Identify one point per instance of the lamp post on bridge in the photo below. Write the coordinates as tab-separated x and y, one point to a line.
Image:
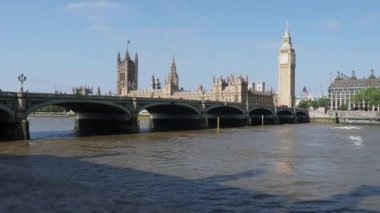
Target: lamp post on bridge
22	78
275	103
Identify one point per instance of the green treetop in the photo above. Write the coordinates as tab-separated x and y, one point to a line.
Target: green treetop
370	95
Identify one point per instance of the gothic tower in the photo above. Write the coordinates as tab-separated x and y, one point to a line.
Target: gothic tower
173	82
286	72
127	74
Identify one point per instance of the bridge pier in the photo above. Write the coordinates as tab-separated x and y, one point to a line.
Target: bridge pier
276	121
15	126
204	121
18	130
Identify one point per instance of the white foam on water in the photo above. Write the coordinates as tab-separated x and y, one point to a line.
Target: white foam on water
346	127
356	140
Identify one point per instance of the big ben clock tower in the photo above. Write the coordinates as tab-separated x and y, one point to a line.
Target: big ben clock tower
286	72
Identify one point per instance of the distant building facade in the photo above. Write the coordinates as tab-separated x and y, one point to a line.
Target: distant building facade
84	90
127	74
304	96
229	89
344	88
286	72
260	86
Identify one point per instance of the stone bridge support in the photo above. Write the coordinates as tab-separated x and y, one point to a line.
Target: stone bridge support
15	130
17	127
203	117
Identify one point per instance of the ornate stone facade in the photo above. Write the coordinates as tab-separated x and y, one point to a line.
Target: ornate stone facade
127	74
230	89
286	72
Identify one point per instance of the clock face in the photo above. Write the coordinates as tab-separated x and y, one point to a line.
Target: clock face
284	58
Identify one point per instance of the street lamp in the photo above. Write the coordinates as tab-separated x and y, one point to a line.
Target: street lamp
22	78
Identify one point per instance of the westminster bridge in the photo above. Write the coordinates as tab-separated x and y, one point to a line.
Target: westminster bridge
116	114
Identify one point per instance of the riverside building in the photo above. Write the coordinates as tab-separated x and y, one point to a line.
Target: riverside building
233	88
344	87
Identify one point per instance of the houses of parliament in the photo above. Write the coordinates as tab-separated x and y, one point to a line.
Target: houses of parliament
233	88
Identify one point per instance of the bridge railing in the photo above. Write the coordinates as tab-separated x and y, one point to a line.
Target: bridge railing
6	94
74	96
168	100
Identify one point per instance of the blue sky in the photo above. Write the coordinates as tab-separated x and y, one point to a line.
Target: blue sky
62	43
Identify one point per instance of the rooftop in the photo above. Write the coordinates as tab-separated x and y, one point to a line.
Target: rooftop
352	81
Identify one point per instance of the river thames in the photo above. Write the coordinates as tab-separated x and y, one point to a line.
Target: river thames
299	167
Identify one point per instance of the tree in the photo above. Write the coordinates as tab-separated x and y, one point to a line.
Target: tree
324	102
303	104
314	104
343	107
370	95
321	102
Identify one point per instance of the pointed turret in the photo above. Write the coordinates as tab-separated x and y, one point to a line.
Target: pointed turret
127	54
286	39
136	58
173	77
372	76
173	72
153	83
118	57
158	84
353	75
173	67
286	34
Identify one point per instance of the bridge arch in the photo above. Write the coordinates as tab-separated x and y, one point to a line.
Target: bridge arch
94	117
261	115
166	116
83	106
230	108
229	116
302	117
179	108
285	116
6	113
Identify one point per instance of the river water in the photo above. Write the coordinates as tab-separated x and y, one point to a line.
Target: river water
283	168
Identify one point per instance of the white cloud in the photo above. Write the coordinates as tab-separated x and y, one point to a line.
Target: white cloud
331	24
100	5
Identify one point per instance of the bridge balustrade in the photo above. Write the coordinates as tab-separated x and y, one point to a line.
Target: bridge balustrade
5	94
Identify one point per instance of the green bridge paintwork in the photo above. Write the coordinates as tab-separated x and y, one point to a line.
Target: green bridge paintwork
110	114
